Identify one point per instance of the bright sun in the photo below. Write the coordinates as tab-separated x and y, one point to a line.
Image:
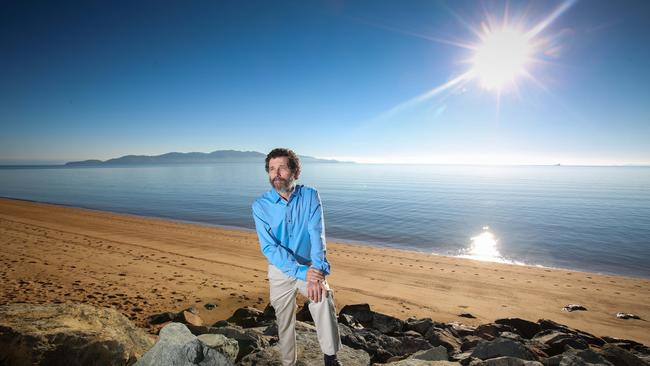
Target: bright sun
500	58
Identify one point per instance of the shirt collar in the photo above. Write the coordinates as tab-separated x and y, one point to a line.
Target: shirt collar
275	196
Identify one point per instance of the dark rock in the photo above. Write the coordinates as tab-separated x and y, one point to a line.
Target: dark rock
466	315
269	312
627	316
359	312
177	346
349	320
469	342
627	344
247	317
501	347
557	341
432	354
304	315
620	357
546	324
68	334
505	361
192	310
419	325
160	318
444	337
573	357
491	331
362	314
524	328
387	324
210	306
221	323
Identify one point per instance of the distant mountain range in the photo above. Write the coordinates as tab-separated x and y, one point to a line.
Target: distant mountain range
190	158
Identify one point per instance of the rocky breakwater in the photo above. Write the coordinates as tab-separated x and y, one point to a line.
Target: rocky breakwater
249	337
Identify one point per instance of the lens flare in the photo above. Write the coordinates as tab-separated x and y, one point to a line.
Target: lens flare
500	58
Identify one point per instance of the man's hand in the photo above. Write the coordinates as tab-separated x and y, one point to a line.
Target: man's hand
315	279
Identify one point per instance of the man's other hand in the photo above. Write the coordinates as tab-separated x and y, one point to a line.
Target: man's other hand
315	279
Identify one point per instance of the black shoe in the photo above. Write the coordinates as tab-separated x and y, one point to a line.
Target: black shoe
331	361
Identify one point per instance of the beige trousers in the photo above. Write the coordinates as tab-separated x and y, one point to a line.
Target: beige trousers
283	299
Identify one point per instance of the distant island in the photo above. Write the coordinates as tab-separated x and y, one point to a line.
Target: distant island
190	158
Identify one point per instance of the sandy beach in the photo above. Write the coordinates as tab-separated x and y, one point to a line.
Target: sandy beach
143	266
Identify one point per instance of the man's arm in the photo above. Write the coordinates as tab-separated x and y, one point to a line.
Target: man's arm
316	228
276	254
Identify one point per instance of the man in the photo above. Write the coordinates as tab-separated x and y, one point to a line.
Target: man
289	223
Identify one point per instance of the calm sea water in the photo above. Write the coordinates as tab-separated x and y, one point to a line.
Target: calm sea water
584	218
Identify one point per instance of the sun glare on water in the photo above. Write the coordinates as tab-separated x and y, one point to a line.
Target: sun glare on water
501	57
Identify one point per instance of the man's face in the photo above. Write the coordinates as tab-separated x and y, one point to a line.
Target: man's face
280	176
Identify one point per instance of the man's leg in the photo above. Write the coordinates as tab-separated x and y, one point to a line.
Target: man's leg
283	300
324	315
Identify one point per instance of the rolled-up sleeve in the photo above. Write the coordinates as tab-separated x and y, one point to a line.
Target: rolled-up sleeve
276	254
316	228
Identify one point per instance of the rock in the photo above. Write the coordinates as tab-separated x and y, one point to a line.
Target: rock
221	323
419	325
188	317
466	315
68	334
359	312
192	310
627	316
620	357
177	346
469	342
501	347
210	306
248	340
387	324
415	362
222	344
574	307
462	330
309	352
524	328
247	317
444	337
269	312
362	314
432	354
160	318
491	331
303	314
573	357
589	338
506	361
556	341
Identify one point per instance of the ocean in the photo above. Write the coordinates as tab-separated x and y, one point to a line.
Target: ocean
582	218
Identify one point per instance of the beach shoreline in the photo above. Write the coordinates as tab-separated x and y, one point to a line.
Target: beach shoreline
144	265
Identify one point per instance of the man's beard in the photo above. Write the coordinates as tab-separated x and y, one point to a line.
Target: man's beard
282	185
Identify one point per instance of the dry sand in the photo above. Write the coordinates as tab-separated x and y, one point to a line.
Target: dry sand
143	266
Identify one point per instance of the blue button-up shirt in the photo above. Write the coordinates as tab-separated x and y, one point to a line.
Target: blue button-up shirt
292	232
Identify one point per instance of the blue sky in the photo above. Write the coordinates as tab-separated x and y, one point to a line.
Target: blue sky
101	79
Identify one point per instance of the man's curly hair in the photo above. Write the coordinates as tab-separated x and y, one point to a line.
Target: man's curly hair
294	161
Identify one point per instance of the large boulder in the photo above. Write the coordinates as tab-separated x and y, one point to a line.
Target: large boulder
591	339
416	362
68	334
505	361
573	357
176	345
621	357
309	351
446	337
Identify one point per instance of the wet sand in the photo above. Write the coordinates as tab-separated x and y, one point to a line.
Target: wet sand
143	266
